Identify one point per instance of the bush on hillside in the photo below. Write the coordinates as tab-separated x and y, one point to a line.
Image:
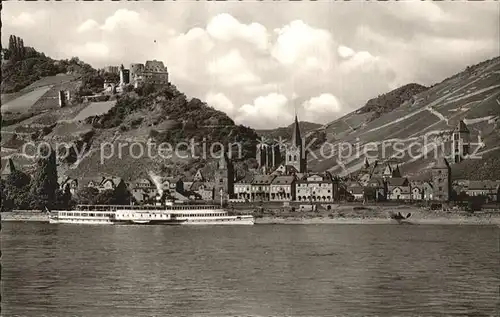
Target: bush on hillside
387	102
193	119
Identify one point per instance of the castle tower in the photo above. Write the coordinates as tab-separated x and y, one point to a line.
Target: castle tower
124	76
295	154
224	178
441	180
62	99
460	142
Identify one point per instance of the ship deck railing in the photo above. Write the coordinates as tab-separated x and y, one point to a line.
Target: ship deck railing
143	207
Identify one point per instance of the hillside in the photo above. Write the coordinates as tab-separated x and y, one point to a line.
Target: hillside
421	122
161	115
286	132
410	114
387	102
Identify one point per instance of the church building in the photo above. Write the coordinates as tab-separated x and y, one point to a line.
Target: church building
295	154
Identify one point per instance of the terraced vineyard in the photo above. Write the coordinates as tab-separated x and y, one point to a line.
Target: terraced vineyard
472	96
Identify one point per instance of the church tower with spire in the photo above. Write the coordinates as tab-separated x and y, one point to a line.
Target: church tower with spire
295	153
224	178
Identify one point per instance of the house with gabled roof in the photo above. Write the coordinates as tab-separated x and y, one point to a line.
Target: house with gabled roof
355	189
202	190
69	183
105	182
380	187
243	187
261	187
144	190
8	169
398	188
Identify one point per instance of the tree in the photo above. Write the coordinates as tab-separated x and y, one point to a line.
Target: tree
16	191
6	204
122	195
63	199
106	197
369	194
44	183
87	196
17	179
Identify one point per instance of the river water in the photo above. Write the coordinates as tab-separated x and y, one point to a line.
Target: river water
261	270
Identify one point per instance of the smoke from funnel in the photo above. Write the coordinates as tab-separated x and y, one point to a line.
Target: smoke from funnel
157	181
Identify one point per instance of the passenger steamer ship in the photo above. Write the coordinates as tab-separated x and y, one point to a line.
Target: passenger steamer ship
169	214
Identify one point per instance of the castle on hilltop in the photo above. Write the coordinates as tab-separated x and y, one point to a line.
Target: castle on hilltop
153	72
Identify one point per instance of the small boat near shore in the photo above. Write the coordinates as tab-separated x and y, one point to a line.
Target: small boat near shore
169	214
401	219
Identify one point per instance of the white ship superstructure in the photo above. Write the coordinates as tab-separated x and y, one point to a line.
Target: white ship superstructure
152	214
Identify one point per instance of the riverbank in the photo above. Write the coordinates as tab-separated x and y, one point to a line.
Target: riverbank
453	220
379	214
341	216
24	216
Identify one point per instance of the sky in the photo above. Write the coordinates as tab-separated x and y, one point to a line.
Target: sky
262	62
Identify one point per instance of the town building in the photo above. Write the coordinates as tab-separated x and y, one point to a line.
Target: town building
144	191
261	187
486	188
8	169
460	142
68	183
295	154
202	190
243	190
283	169
198	177
380	187
441	180
283	188
173	184
398	188
104	183
355	190
314	188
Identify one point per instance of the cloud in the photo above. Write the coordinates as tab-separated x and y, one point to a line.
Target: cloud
122	18
232	69
220	102
329	58
266	111
25	19
363	61
225	27
322	109
92	50
426	11
345	52
301	45
88	25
